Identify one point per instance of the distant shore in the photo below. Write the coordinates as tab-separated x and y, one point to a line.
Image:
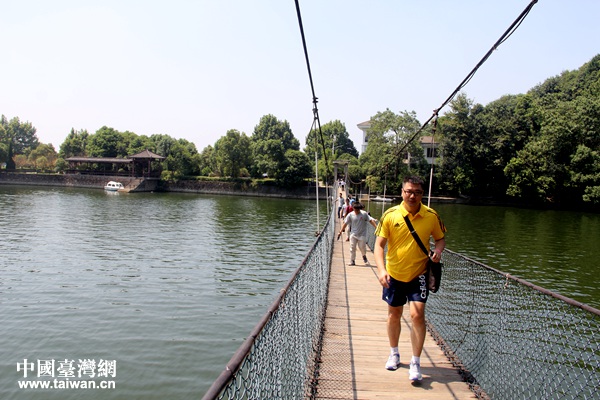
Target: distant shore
150	185
233	188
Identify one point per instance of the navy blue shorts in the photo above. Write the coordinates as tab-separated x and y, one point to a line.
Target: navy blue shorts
400	292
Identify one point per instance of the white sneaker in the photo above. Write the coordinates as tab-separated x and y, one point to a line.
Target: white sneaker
414	373
393	362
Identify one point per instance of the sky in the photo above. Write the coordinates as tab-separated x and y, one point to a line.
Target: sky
194	69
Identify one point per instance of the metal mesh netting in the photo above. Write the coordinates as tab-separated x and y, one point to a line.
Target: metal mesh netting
509	338
280	356
512	339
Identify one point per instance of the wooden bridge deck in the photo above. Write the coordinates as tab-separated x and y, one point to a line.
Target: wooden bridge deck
355	344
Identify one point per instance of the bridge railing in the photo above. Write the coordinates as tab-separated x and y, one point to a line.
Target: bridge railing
278	359
509	338
512	339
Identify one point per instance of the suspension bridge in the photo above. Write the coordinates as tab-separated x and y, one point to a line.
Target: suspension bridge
490	335
355	343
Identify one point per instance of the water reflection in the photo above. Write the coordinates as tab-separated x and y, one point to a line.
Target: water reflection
155	281
169	285
552	249
259	242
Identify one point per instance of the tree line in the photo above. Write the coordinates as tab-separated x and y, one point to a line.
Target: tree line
539	147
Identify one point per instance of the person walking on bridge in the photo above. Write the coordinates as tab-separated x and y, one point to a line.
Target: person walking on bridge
357	221
402	274
340	205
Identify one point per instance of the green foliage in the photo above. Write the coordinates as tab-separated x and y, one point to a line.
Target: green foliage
542	146
137	144
107	142
389	155
3	152
270	141
182	157
585	172
539	147
208	165
232	154
335	143
43	157
335	137
74	145
16	138
463	147
297	168
10	163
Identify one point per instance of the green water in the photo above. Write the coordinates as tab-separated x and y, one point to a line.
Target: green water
558	250
169	285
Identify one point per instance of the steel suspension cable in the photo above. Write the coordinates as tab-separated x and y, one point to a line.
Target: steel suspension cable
511	29
312	87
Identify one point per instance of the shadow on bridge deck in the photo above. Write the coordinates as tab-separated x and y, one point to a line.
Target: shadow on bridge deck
355	344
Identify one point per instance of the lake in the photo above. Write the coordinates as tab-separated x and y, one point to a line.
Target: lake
165	287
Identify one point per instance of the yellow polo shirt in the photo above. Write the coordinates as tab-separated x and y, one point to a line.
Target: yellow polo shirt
404	259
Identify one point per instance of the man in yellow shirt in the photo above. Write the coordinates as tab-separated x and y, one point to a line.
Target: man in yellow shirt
402	274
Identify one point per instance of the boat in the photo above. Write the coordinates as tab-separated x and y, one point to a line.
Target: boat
383	199
113	186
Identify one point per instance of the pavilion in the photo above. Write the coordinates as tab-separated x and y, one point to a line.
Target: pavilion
136	165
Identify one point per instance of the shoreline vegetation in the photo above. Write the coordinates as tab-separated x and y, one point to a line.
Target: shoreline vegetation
536	150
233	187
240	187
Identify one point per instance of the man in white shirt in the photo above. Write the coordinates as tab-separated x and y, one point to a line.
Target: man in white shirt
357	221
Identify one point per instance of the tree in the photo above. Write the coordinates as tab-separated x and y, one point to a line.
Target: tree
43	156
106	142
297	168
208	164
232	153
585	173
561	161
460	144
21	161
560	158
182	158
270	140
181	155
20	135
390	154
336	139
138	143
3	145
74	145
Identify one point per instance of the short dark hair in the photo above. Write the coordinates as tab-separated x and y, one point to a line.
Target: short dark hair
358	205
415	180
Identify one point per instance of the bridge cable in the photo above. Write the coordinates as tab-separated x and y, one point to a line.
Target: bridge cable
312	87
511	29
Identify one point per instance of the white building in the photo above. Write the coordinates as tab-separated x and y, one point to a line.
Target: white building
429	145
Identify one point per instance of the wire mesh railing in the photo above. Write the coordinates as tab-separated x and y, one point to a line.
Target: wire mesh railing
278	359
512	339
509	338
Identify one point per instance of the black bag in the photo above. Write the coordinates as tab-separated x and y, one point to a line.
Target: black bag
434	275
434	269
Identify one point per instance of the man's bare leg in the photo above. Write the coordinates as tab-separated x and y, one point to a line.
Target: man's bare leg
393	324
393	328
417	339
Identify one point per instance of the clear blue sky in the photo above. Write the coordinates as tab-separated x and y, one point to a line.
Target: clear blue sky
194	69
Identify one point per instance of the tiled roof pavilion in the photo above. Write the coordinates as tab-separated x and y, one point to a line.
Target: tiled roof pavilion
138	158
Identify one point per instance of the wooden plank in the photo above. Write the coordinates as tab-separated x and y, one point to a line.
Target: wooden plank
356	347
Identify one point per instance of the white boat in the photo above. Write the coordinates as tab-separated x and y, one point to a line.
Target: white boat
113	186
383	199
